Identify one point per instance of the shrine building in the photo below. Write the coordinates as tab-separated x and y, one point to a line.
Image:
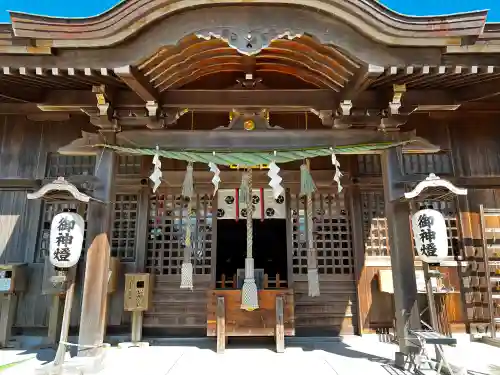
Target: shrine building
241	167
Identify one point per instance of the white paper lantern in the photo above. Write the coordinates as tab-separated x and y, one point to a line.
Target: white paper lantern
66	239
431	237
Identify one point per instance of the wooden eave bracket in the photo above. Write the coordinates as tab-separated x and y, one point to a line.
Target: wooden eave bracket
62	185
104	116
393	118
434	182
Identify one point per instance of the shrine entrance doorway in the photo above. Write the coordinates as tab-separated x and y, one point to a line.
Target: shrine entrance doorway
269	253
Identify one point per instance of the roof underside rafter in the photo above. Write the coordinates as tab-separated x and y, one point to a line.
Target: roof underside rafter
350	55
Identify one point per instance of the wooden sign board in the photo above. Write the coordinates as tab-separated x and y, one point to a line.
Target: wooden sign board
138	291
386	285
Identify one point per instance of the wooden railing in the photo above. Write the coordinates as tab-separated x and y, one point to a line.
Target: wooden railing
229	282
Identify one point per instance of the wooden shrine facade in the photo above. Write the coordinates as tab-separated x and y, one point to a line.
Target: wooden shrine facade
397	99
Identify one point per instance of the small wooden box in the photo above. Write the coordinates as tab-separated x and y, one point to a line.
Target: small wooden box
13	278
138	291
114	274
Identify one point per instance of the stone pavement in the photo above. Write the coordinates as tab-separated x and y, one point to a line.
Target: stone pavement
352	356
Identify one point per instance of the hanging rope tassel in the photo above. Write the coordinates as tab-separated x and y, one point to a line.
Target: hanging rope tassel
249	296
188	185
338	173
187	266
307	188
156	175
245	193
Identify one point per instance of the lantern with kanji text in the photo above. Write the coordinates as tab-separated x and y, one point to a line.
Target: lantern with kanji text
431	237
66	239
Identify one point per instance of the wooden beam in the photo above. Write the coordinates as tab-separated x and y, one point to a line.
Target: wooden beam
478	91
400	243
137	82
227	99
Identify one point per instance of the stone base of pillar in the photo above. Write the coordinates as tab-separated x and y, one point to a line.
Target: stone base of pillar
77	365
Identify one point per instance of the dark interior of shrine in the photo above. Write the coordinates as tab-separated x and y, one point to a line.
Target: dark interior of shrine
269	248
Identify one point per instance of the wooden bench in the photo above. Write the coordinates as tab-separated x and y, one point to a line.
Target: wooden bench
420	339
275	316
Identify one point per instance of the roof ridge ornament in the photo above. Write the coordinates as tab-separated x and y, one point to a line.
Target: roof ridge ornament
248	42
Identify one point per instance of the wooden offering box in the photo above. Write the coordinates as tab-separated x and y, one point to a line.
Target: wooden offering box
275	316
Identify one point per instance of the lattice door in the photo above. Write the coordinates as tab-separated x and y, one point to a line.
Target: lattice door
374	223
331	232
166	228
124	227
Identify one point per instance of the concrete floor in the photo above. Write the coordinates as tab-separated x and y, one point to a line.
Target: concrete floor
351	356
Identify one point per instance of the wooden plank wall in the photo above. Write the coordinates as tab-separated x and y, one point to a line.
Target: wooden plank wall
24	148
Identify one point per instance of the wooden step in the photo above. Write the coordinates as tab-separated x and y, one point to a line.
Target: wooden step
181	308
175	321
340	309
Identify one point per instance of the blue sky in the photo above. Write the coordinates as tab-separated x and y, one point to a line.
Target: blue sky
85	8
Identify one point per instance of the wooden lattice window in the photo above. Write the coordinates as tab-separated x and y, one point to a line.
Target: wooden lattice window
449	211
374	223
439	163
166	228
129	165
68	165
123	240
331	233
49	210
369	164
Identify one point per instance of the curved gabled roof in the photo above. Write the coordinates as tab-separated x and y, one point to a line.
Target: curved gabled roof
367	16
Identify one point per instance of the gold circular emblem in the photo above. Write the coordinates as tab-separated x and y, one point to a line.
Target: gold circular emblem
249	125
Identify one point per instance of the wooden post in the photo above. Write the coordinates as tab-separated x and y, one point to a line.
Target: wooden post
356	218
68	304
54	320
7	315
136	326
401	248
280	326
95	286
221	325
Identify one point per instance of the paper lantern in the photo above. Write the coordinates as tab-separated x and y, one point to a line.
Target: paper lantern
431	237
66	239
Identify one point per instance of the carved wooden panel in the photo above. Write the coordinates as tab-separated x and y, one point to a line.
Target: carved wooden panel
374	223
129	165
49	210
369	164
166	228
439	163
331	232
124	227
65	165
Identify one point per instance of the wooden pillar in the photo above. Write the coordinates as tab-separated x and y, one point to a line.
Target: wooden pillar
356	218
280	325
8	309
221	325
94	300
401	249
